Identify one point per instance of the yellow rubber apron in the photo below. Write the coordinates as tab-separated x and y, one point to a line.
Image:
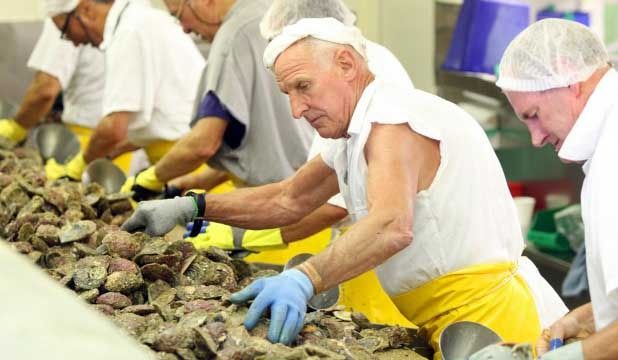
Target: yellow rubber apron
157	149
494	295
83	136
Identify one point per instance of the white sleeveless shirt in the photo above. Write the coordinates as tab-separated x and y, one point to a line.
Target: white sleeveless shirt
466	217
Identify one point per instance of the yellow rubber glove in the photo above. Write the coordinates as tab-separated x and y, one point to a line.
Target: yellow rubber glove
73	169
145	185
231	238
10	129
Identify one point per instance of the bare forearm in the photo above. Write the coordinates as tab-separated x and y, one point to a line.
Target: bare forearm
180	160
262	207
371	241
194	149
584	317
122	148
325	216
207	179
38	100
110	133
602	345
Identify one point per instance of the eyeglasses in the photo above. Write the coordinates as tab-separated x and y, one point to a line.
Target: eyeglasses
65	27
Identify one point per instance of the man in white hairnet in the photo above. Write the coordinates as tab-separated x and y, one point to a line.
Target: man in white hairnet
77	72
152	71
381	62
441	230
557	76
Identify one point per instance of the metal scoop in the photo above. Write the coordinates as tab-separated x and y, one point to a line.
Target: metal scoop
55	141
105	173
323	300
461	339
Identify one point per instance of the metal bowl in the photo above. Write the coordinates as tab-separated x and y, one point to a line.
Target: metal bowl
105	173
55	141
323	300
461	339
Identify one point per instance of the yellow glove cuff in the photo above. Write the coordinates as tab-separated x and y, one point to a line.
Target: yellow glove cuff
263	240
231	238
148	179
53	170
75	167
11	129
216	234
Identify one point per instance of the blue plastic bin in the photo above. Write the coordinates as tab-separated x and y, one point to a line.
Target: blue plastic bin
579	16
483	31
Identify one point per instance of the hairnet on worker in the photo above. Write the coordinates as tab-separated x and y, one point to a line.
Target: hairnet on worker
551	53
287	12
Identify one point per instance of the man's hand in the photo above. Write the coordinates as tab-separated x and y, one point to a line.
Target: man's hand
565	328
158	217
286	295
145	185
73	169
12	130
232	238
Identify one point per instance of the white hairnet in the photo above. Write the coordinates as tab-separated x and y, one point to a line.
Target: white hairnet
287	12
551	53
327	29
57	7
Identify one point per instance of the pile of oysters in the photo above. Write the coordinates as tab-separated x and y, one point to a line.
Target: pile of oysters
168	295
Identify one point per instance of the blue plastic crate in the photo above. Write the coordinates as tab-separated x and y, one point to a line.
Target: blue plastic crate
483	31
579	16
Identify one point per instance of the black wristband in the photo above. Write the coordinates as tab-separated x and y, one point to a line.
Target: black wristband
200	200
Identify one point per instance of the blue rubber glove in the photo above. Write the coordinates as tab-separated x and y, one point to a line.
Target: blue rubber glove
189	229
572	351
286	295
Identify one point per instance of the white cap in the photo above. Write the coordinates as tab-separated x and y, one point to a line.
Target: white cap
57	7
287	12
551	53
327	29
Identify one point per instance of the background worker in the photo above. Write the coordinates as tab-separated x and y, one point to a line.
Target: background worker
558	78
243	124
152	72
402	162
77	72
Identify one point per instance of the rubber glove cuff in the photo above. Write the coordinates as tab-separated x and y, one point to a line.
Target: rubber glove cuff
148	180
11	129
258	240
572	351
75	167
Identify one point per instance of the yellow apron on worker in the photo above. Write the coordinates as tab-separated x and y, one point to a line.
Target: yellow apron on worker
494	295
83	136
157	149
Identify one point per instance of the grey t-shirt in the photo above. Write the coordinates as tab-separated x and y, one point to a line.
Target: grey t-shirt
274	145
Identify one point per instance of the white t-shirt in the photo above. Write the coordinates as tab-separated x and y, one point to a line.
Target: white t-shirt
594	139
466	217
152	69
80	71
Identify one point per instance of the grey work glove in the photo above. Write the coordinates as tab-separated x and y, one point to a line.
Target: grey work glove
158	217
572	351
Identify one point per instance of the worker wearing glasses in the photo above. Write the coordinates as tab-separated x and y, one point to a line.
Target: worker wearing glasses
152	72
